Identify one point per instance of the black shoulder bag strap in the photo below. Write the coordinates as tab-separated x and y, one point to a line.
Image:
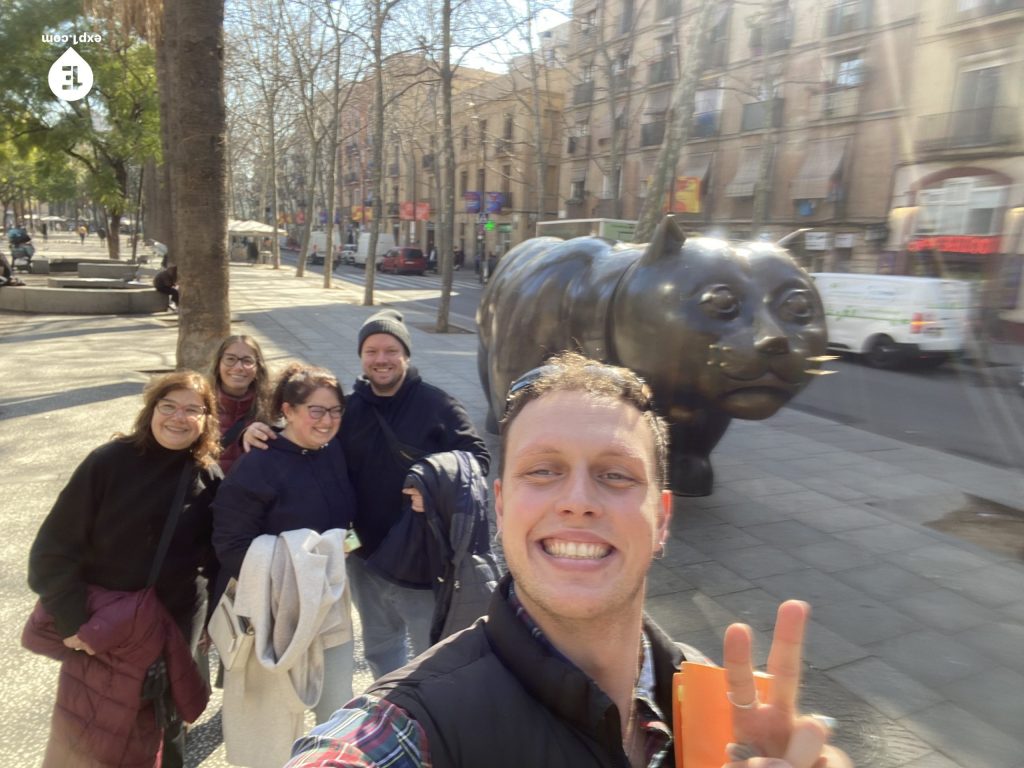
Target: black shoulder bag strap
230	437
405	455
172	522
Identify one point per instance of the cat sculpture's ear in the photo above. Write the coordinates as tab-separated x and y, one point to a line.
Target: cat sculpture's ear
667	241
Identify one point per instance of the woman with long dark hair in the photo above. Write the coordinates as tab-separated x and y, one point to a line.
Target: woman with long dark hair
135	514
242	381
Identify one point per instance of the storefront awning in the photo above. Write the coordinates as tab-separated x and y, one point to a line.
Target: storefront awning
745	180
822	164
696	166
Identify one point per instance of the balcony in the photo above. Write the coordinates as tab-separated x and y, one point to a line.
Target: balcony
583	93
844	18
578	145
967	129
663	71
959	11
503	147
705	125
507	201
392	209
652	134
840	102
393	170
761	114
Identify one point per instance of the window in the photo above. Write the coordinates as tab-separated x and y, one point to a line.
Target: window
463	182
610	184
961	206
665	45
509	127
588	22
506	180
848	71
576	190
644	184
465	137
587	73
845	16
481	178
483	132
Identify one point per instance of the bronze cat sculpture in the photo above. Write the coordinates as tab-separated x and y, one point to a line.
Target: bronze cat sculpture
717	330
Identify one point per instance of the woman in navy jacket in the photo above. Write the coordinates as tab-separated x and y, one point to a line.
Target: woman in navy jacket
301	482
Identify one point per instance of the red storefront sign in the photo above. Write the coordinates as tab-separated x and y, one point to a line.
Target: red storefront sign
407	211
981	245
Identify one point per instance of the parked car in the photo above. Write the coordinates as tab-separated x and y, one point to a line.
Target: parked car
348	253
408	260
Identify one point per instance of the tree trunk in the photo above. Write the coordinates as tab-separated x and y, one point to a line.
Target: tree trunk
199	176
678	130
377	179
444	235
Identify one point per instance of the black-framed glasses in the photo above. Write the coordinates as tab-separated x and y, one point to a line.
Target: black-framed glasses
317	412
230	361
169	408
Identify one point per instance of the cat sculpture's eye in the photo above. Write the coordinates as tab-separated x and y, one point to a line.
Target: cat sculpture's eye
720	301
797	306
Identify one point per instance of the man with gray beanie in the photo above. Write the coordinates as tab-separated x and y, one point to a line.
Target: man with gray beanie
392	419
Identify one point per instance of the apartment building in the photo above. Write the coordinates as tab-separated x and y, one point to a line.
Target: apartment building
958	190
797	102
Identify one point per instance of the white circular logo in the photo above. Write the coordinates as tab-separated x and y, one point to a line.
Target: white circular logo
70	76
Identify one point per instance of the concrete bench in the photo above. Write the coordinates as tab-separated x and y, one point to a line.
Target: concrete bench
111	270
81	301
94	283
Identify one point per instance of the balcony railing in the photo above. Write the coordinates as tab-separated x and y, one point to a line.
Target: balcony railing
960	11
652	134
663	71
842	19
967	128
836	103
761	114
503	147
705	125
583	93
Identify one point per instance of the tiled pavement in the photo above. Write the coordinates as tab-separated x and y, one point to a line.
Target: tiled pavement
917	640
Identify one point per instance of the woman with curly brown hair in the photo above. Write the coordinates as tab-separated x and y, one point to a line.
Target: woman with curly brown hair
242	382
101	539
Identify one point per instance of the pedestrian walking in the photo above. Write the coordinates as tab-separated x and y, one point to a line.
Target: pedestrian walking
295	592
566	651
82	232
118	566
393	420
44	231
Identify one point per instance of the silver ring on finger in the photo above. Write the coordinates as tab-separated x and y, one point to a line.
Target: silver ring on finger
750	705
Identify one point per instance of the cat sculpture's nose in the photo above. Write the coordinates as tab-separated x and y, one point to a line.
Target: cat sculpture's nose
772	345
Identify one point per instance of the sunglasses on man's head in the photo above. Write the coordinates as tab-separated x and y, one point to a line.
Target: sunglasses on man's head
632	385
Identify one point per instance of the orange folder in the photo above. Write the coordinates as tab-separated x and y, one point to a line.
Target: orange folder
702	715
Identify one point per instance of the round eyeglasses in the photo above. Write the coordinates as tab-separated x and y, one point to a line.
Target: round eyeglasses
169	408
230	361
317	412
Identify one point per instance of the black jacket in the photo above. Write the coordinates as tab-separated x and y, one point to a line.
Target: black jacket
283	488
494	695
105	526
421	416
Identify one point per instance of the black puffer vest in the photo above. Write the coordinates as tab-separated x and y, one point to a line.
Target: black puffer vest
493	695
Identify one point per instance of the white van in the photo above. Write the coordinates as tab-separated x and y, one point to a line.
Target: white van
385	242
893	319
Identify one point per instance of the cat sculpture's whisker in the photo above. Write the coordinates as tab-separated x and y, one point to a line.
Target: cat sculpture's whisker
822	358
819	372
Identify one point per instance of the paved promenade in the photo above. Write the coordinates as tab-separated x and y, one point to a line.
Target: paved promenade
917	640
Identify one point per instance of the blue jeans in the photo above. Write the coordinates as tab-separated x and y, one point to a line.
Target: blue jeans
387	613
